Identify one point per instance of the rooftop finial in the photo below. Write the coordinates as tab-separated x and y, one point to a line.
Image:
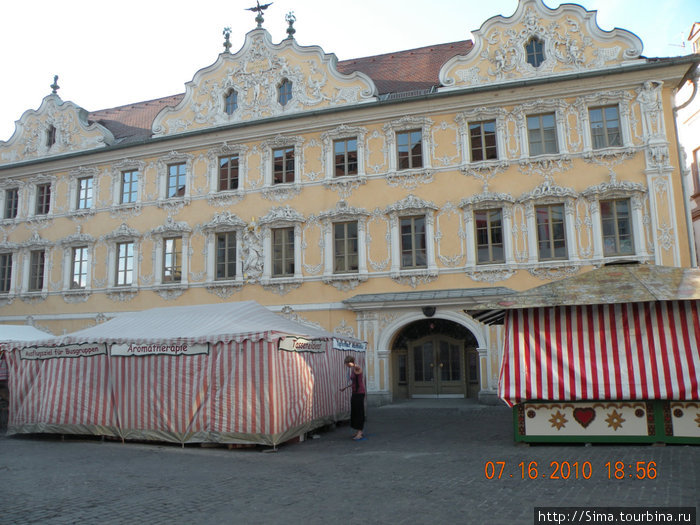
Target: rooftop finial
290	18
227	42
259	8
55	87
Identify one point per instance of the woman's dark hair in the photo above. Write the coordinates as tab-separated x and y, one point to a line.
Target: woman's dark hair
349	359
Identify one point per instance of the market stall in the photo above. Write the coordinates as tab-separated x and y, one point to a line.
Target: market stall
611	355
224	373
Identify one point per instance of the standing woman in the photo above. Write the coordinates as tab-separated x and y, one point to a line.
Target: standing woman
357	401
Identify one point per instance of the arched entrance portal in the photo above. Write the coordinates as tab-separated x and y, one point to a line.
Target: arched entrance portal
435	358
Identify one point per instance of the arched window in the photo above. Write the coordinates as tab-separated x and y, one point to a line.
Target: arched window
51	136
285	92
534	51
230	101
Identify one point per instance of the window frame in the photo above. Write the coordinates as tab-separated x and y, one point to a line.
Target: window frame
345	254
285	160
230	104
285	92
121	283
489	233
228	156
415	238
551	240
537	55
226	262
606	132
176	256
133	186
482	136
285	258
36	278
410	144
11	205
85	195
177	176
82	267
6	272
541	129
346	163
42	198
615	219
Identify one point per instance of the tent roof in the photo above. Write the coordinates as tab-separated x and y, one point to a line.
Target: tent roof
195	324
17	332
635	283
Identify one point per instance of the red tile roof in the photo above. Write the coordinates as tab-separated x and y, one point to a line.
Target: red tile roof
399	72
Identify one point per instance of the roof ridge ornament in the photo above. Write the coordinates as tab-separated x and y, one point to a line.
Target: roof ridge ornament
290	18
259	8
55	87
227	42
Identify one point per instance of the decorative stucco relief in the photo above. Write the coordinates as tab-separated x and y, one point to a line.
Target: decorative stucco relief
571	42
254	74
56	127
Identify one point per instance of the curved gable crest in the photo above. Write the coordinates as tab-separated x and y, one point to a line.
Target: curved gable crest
56	127
569	34
254	73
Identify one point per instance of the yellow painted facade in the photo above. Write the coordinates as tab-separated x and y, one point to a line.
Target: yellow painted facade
582	69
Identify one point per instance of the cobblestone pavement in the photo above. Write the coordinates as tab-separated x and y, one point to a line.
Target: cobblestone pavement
421	463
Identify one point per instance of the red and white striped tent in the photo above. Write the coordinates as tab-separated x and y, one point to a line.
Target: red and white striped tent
617	333
11	334
223	373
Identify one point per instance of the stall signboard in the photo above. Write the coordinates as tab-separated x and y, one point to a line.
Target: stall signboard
146	349
63	351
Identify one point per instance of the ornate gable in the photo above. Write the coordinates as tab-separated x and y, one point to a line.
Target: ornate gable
56	127
536	42
252	77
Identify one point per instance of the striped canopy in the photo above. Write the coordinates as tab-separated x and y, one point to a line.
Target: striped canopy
633	351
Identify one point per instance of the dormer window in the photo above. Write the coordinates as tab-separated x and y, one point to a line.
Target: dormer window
50	136
285	92
230	101
534	51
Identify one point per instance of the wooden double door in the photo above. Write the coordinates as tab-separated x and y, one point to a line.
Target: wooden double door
439	366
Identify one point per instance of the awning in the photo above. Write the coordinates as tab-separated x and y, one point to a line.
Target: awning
634	351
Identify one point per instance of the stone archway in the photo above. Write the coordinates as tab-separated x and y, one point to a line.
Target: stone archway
436	358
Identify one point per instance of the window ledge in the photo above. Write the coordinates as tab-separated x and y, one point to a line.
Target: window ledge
346	281
415	277
281	285
34	297
224	288
122	294
491	273
76	295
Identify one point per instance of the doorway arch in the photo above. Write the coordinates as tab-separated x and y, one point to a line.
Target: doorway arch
436	358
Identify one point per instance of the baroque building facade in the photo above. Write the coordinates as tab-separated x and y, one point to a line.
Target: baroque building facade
378	197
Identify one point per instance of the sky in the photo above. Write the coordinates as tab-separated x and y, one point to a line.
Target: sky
114	53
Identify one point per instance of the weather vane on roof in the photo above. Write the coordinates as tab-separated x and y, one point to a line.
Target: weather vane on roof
55	87
259	8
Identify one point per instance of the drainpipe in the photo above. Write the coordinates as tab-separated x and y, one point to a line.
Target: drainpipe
693	78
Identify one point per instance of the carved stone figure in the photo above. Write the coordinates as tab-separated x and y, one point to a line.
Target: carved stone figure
252	253
649	98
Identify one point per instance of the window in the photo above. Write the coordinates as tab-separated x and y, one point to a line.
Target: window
231	102
409	149
283	252
176	180
284	92
125	264
605	127
345	247
50	136
11	203
228	173
617	227
695	167
551	235
37	259
542	134
5	272
129	187
79	267
345	157
482	137
226	255
84	193
283	167
43	199
172	260
413	242
489	236
534	51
